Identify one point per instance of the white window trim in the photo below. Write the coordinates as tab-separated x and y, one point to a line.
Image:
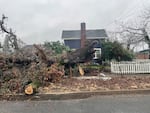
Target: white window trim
95	54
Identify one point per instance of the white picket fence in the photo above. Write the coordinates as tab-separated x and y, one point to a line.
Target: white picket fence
133	67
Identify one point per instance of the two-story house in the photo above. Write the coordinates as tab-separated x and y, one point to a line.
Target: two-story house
77	38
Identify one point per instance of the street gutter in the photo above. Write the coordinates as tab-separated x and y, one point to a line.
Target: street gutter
67	96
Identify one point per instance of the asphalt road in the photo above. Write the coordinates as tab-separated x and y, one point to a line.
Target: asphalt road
99	104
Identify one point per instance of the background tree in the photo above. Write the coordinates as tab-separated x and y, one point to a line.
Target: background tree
10	37
57	47
115	51
136	31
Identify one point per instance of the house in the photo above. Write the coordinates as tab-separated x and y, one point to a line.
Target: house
76	39
144	54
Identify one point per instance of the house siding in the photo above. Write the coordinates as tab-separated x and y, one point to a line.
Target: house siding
142	56
73	44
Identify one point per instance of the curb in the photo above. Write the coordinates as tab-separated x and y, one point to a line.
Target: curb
67	96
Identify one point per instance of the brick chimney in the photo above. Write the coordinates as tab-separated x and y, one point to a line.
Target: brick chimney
83	34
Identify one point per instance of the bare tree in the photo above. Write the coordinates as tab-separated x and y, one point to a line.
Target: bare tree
137	32
124	37
10	37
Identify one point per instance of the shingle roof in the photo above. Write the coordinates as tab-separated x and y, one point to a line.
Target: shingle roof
89	33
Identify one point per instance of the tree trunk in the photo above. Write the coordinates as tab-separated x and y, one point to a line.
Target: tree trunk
149	50
147	39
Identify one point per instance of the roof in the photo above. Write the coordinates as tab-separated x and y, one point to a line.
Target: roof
144	51
101	33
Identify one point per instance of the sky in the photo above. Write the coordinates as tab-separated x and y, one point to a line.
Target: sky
37	21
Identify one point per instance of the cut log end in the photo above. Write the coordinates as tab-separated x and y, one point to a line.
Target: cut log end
29	90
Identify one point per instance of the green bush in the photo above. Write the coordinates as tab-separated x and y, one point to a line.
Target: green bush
57	47
115	51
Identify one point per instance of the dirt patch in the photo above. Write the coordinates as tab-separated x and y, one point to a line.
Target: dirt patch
79	85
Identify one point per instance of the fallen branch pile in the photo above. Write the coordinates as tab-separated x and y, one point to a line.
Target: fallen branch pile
19	73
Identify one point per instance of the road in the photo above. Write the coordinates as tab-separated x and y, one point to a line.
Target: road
98	104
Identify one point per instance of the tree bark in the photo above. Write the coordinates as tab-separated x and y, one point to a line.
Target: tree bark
147	39
149	50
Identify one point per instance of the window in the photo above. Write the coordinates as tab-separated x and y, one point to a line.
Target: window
97	53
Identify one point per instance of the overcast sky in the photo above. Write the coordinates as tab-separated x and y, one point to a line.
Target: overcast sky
36	21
